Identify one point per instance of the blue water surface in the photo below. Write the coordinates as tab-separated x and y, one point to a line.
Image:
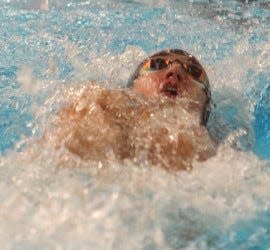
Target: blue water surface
32	36
262	123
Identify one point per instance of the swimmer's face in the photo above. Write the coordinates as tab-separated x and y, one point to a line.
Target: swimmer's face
172	75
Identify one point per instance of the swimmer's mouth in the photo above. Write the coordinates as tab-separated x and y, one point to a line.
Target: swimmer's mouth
170	90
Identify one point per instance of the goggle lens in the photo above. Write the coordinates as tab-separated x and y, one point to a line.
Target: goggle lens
154	65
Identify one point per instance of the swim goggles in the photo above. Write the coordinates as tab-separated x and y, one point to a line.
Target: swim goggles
160	61
155	64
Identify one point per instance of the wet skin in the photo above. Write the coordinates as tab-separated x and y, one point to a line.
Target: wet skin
157	122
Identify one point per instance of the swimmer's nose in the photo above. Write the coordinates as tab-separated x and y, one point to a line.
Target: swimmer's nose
175	73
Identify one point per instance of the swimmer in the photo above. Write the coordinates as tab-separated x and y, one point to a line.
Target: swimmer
158	120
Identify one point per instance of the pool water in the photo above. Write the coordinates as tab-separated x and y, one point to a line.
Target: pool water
49	47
